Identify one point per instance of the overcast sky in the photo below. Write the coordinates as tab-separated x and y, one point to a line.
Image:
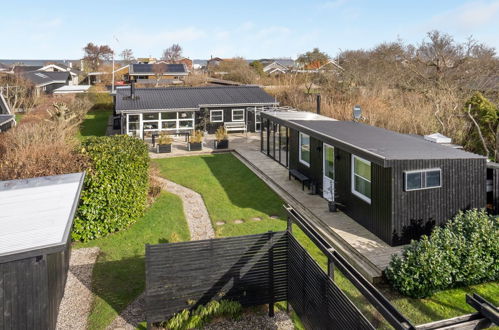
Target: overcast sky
251	29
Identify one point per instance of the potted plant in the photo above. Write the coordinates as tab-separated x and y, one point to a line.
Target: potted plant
164	143
196	141
221	138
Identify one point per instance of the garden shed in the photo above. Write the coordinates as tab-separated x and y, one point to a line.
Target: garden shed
36	219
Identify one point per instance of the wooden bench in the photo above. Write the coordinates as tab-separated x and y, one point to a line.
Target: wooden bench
300	177
235	126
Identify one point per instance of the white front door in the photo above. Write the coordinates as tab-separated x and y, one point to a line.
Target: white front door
328	173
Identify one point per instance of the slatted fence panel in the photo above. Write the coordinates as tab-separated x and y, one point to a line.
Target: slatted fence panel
317	300
250	269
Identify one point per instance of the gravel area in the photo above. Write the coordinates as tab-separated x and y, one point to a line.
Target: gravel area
200	227
77	300
280	321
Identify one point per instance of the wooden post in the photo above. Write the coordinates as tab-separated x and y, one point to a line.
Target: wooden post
290	225
330	268
271	273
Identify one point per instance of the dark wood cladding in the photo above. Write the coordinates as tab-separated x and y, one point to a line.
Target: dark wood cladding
375	216
314	171
250	269
493	195
314	296
463	187
31	290
204	114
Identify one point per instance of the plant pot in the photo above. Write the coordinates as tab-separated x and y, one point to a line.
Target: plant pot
222	144
164	148
195	146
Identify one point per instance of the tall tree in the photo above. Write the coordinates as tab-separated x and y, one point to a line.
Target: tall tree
313	59
172	54
95	55
127	56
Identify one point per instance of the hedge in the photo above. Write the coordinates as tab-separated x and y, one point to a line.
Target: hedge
463	252
115	188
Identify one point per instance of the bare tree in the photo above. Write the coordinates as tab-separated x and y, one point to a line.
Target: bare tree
172	54
95	55
127	56
159	70
18	92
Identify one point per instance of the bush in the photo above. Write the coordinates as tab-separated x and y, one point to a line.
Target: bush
203	314
464	252
116	186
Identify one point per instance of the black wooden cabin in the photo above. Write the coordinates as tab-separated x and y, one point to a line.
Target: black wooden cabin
35	245
397	186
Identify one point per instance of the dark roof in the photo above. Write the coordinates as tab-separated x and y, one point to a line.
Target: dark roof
4	107
191	97
149	68
5	118
45	78
379	142
25	68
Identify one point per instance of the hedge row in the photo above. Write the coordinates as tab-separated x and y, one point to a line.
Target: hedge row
116	185
464	252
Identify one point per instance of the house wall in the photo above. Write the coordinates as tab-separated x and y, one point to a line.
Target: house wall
31	290
463	187
204	115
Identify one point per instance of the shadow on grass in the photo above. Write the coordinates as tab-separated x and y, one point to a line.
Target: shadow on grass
95	122
242	187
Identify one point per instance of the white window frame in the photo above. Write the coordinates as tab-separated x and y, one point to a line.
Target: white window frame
244	114
304	162
423	179
216	121
355	192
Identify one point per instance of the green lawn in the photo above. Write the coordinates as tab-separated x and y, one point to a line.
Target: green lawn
119	274
95	123
231	191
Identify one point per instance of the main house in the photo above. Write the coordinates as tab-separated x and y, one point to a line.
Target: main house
173	109
397	186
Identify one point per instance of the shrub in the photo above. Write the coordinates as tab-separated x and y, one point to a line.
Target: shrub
116	186
464	252
203	314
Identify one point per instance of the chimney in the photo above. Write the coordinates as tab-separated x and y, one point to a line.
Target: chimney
318	104
132	90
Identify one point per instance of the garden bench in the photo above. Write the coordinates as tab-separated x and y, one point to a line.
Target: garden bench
300	177
235	126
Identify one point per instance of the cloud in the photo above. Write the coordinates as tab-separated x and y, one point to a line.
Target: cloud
468	16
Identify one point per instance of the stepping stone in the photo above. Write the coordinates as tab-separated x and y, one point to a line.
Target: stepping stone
274	217
220	223
256	219
238	221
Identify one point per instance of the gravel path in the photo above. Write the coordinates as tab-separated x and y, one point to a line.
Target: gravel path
75	305
280	321
200	227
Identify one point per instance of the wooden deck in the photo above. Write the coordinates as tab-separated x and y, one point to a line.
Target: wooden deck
369	254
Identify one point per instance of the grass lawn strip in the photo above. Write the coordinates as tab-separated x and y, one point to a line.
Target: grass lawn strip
118	277
95	123
231	191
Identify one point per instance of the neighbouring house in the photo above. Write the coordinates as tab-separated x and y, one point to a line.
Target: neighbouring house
19	69
7	118
57	67
397	186
35	246
184	60
278	65
46	82
173	109
214	62
152	73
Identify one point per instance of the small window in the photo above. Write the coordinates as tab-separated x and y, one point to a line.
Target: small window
216	116
150	116
169	115
361	178
305	149
237	114
423	179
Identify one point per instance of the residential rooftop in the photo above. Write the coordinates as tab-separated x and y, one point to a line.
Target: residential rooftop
148	69
41	78
37	214
191	98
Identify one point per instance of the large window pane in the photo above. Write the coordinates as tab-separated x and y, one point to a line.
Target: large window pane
413	181
362	168
216	116
329	162
361	178
305	149
363	186
169	115
169	125
185	124
133	118
432	179
264	136
150	116
238	115
133	126
151	125
185	115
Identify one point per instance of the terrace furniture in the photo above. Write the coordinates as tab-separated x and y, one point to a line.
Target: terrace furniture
235	126
300	177
186	133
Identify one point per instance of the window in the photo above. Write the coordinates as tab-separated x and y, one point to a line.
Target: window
305	149
150	116
169	115
237	114
423	179
216	116
361	178
133	123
